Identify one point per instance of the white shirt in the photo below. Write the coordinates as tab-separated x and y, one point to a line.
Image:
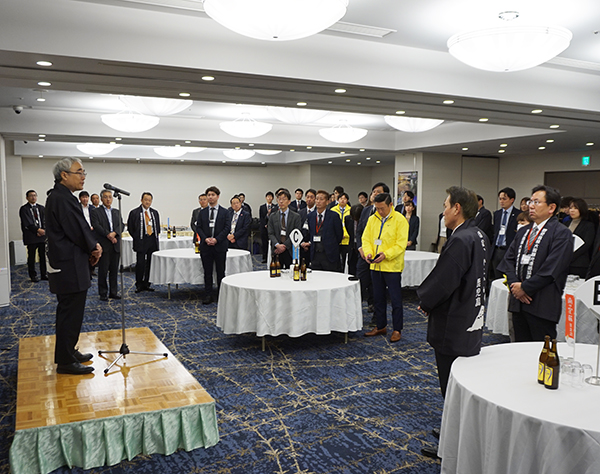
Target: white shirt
86	214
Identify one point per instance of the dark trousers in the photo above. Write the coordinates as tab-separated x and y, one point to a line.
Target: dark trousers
69	317
392	281
444	364
264	236
142	268
321	262
344	251
211	259
532	328
353	261
108	266
363	270
31	249
497	257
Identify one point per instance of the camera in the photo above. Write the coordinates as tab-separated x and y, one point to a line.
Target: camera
18	109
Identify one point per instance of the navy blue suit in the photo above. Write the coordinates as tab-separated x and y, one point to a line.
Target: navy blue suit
331	235
242	230
213	255
511	231
294	205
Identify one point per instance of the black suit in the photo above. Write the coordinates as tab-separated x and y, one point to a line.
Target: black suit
193	223
413	231
33	219
242	230
580	261
109	262
70	244
500	250
213	256
353	254
144	245
325	255
264	214
294	205
275	236
363	269
483	220
303	213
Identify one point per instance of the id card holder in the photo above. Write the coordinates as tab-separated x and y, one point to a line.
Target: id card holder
502	231
283	232
525	259
317	238
377	241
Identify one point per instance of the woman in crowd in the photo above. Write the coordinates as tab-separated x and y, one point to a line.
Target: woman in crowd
524	206
410	212
581	226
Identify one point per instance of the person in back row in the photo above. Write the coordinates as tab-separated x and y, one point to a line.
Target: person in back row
33	225
240	225
325	228
281	224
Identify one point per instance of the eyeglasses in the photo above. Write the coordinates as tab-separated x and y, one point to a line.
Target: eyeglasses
80	173
535	203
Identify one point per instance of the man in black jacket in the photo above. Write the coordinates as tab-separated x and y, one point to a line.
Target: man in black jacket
108	227
265	211
143	224
72	248
483	219
505	228
34	235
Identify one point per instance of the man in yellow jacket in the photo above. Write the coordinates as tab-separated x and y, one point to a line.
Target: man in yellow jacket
384	244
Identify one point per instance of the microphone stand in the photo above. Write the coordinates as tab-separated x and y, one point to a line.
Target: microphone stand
124	349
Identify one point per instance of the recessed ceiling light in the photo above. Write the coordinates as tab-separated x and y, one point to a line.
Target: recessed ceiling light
503	145
118	139
589	144
501	151
536	111
237	147
182	160
362	149
340	91
262	162
113	143
348	161
309	147
250	144
44	84
301	104
342	152
40	156
483	119
465	148
541	147
44	63
448	102
378	161
184	94
91	158
368	158
554	126
400	112
292	149
137	159
41	135
223	161
208	78
549	141
359	163
329	162
41	99
188	141
41	139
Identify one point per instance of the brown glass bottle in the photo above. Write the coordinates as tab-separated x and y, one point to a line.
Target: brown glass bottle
303	271
168	232
296	271
273	268
174	232
543	359
197	247
552	368
278	266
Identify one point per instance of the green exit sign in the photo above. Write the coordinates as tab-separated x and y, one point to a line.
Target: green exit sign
585	161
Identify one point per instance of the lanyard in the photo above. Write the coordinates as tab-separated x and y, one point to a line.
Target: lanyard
322	219
383	221
530	244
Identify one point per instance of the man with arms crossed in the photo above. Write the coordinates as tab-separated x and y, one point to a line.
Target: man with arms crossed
72	248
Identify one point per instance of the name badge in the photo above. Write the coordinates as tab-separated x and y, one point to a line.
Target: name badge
502	230
317	238
283	232
525	259
305	226
377	241
211	224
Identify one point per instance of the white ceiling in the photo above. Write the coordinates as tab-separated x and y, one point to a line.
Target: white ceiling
161	47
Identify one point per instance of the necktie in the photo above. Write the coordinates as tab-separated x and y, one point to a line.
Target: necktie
234	222
502	237
148	223
533	234
283	237
36	215
212	221
320	223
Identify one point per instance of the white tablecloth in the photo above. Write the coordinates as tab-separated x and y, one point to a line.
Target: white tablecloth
272	306
498	420
417	265
497	316
163	243
184	266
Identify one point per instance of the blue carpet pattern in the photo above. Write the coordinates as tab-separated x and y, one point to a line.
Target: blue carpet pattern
306	405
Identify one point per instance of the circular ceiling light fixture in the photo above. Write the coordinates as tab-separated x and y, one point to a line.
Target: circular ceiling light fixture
412	124
245	127
268	152
296	116
170	151
96	149
155	105
276	20
129	121
510	47
238	154
342	132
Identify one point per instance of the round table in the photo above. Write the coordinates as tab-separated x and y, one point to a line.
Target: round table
129	258
257	303
498	419
185	266
497	314
417	265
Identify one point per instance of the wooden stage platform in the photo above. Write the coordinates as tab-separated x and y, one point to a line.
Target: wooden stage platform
145	404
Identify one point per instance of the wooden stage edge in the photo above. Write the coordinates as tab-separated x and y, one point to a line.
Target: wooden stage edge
138	388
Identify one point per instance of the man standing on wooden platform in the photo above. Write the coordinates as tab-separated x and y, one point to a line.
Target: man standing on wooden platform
72	248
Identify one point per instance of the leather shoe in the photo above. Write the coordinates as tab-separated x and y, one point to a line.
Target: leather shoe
396	335
35	279
207	299
376	332
82	357
75	368
436	432
45	277
148	288
370	308
430	452
104	298
139	290
114	297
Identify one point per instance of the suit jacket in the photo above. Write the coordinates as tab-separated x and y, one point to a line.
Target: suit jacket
102	226
70	243
581	257
274	229
264	214
594	268
246	207
242	230
413	230
193	222
221	229
136	224
551	256
349	225
400	208
331	234
483	220
303	218
29	225
511	225
294	205
367	212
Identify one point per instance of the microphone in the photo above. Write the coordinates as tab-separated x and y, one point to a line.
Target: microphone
116	190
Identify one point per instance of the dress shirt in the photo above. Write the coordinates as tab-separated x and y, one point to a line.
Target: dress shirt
501	241
109	216
86	213
234	220
442	232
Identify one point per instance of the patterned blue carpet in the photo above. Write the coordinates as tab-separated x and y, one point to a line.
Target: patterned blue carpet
306	405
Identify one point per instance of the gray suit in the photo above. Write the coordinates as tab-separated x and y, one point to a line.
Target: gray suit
274	230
